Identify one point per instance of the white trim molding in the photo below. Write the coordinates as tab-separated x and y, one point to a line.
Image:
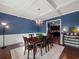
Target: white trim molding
61	42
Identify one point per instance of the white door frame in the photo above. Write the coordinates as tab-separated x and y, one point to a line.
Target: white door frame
59	25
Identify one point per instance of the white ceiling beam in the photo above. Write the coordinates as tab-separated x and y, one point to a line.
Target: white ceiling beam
46	12
53	4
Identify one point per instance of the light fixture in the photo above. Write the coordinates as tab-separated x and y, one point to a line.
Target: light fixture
64	29
7	26
4	27
78	29
37	18
3	23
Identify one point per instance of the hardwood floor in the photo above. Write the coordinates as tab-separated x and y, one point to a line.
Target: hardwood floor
68	53
5	53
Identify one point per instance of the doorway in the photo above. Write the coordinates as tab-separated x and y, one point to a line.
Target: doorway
54	26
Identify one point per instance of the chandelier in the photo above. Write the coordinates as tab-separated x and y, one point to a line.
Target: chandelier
38	21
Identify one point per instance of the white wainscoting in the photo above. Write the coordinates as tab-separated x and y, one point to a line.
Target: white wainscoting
14	38
1	44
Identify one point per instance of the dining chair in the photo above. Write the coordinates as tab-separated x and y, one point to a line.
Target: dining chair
49	41
42	44
27	45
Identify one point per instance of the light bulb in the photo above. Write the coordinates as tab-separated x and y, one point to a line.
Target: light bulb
77	29
3	23
64	29
7	26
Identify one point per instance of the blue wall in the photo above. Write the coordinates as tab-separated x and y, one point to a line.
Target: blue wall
68	20
20	25
17	25
42	28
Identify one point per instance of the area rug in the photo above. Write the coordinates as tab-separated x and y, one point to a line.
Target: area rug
53	53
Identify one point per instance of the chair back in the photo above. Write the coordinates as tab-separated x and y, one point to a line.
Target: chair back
24	38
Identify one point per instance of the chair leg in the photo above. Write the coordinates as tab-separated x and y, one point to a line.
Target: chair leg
41	49
45	48
51	45
25	50
28	54
48	47
25	47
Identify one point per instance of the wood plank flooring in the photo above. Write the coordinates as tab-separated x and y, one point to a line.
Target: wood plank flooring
70	53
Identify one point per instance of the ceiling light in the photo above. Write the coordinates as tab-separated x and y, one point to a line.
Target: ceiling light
37	19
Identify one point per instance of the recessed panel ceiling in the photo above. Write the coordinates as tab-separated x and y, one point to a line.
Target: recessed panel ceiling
29	8
26	8
50	15
16	7
40	4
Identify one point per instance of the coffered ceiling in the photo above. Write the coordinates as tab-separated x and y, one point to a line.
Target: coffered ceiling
30	8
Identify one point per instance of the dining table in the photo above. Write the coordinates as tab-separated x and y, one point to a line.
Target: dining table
35	42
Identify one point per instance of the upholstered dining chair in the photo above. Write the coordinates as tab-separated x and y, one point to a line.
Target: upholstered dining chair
25	39
27	45
49	41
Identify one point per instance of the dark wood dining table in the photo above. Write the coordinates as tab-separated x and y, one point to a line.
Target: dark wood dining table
35	41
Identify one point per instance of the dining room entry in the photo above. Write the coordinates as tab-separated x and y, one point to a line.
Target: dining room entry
54	28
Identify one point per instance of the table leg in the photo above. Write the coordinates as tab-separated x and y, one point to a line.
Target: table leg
34	51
